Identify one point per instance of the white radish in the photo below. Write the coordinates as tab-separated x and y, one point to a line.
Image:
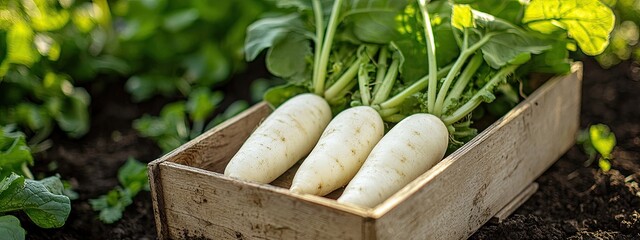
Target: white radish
283	138
340	152
408	150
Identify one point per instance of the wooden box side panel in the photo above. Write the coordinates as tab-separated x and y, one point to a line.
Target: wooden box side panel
199	203
461	193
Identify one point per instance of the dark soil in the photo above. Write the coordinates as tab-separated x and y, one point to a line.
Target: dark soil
578	202
573	201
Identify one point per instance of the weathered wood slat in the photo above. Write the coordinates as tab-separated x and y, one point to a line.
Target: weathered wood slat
515	203
461	193
214	206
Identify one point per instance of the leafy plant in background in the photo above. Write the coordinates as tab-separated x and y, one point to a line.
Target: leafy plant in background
598	139
43	201
40	43
625	38
133	179
174	46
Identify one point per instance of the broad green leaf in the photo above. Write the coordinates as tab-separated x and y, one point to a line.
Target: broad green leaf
287	58
82	17
133	176
112	205
10	228
208	65
507	42
40	200
45	16
14	152
589	22
510	10
603	139
179	20
20	48
374	21
74	115
267	32
202	102
462	17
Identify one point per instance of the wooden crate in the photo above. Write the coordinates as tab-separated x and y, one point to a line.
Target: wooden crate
191	198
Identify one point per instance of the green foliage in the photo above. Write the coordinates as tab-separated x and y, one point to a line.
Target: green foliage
589	22
598	139
133	179
625	37
15	155
180	121
42	201
173	46
11	229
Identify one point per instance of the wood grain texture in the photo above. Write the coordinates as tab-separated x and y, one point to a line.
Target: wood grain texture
202	203
461	193
193	199
515	203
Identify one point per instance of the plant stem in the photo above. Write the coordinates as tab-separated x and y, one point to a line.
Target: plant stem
388	112
363	82
463	80
382	69
431	54
387	83
318	82
414	88
351	72
317	12
464	55
475	101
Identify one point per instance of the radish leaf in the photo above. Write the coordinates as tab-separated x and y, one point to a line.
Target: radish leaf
589	22
10	228
42	200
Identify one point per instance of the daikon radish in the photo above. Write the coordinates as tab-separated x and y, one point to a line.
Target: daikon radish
408	150
340	152
285	136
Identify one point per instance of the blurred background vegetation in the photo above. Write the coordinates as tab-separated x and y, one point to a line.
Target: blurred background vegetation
52	51
176	49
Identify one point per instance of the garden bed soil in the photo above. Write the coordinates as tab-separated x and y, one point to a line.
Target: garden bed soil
573	201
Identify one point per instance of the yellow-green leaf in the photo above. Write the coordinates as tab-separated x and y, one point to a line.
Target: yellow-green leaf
603	139
20	49
589	22
44	16
462	17
604	164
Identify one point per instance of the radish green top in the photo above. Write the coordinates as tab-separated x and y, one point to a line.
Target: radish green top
439	57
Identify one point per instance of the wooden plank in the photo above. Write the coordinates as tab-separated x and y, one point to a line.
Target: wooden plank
462	192
209	204
157	198
515	203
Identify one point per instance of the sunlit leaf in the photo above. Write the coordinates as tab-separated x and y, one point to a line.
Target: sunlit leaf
604	164
20	48
462	17
44	16
589	22
603	139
